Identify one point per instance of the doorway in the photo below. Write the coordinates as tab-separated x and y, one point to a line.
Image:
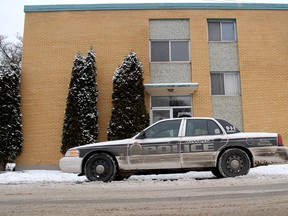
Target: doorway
164	107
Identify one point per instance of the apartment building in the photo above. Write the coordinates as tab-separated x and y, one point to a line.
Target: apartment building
225	60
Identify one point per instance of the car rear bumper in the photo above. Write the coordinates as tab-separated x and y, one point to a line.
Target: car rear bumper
71	164
269	155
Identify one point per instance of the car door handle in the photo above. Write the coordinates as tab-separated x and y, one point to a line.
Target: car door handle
217	140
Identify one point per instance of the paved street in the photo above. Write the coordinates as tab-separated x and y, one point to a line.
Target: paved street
198	197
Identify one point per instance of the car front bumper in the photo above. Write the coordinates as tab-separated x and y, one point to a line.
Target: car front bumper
71	164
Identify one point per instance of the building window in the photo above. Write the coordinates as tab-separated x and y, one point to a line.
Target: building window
225	84
170	51
222	30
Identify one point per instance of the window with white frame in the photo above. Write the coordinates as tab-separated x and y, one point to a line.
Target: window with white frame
163	107
224	30
225	83
170	51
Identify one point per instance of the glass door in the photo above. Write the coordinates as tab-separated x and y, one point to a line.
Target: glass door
181	112
159	114
164	107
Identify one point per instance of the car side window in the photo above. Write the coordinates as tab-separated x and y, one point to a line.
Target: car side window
201	127
196	127
164	129
213	128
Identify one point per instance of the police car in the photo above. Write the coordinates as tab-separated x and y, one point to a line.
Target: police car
177	145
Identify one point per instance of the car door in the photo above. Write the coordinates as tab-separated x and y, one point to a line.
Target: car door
158	147
201	142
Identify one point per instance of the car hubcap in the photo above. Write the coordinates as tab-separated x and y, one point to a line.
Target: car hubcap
100	169
235	164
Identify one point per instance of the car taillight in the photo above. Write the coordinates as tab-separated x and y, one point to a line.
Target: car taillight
280	140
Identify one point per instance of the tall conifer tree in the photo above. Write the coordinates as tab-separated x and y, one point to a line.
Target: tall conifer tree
10	116
81	116
129	114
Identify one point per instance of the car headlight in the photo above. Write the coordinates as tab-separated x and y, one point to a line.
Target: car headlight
72	153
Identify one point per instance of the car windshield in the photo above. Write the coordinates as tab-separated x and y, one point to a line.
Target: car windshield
228	127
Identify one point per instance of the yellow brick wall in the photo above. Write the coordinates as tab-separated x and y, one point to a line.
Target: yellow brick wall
263	55
52	39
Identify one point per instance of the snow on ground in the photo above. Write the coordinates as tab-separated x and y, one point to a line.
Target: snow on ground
266	173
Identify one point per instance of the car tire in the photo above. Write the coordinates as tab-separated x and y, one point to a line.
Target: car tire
234	162
217	173
100	167
123	175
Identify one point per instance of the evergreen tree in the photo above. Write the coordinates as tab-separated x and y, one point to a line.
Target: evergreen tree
10	116
129	114
81	116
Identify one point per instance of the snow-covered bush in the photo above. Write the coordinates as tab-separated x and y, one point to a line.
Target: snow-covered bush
129	114
10	166
81	116
10	116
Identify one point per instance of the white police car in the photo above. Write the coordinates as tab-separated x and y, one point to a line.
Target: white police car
177	145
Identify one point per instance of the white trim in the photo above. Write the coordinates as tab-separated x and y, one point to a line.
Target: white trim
178	88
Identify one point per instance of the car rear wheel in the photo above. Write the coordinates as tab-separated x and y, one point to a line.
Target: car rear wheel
100	167
234	162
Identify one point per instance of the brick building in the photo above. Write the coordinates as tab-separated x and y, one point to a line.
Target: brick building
222	60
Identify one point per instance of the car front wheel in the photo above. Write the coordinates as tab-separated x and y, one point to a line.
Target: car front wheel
122	176
234	162
216	172
100	167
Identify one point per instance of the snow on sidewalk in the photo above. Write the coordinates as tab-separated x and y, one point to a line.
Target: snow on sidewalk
52	176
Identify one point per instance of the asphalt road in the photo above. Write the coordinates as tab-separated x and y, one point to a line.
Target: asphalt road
162	198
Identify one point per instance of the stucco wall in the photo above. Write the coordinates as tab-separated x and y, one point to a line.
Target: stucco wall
169	29
170	73
228	108
223	56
